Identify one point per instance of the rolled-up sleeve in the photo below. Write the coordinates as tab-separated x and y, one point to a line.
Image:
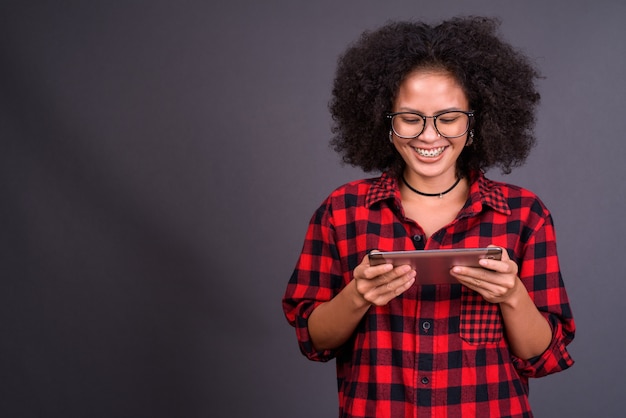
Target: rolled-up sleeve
540	273
316	279
556	357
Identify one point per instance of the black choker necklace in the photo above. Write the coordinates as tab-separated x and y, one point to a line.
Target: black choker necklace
431	194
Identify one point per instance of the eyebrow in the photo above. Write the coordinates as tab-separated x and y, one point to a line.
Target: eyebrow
450	109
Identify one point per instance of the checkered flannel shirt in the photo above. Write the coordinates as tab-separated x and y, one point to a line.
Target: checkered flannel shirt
436	350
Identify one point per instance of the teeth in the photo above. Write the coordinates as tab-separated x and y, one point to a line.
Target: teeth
429	152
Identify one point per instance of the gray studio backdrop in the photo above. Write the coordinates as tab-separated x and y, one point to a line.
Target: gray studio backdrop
160	161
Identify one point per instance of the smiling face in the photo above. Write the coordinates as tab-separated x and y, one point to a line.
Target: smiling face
430	158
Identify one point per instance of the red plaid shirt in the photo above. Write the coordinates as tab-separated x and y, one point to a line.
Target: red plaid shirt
436	350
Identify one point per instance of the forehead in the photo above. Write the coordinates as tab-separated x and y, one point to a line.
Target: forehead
426	88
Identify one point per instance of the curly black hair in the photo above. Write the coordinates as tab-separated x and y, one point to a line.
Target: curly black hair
497	79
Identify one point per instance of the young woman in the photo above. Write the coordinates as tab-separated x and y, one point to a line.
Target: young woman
431	108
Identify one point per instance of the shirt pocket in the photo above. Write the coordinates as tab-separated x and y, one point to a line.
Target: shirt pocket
481	321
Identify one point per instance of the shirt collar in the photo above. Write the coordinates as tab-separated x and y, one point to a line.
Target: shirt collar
482	192
486	192
383	188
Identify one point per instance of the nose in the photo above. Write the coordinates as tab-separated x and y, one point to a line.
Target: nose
430	131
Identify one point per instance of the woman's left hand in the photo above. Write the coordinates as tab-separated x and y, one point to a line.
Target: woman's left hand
497	281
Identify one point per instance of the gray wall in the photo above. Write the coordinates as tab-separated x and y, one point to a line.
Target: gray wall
159	162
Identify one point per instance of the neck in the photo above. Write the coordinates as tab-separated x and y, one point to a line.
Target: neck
437	194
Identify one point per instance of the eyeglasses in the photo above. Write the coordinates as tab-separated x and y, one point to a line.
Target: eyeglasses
450	124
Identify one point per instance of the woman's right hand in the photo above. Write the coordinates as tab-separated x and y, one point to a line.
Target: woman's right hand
332	323
377	285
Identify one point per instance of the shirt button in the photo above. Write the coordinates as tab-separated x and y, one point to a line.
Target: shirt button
417	238
426	326
425	380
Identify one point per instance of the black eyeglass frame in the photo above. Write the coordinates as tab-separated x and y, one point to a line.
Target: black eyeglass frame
470	122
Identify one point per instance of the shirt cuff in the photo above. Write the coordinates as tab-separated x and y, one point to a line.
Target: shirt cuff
554	359
304	338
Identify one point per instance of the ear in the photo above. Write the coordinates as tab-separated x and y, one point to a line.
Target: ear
470	138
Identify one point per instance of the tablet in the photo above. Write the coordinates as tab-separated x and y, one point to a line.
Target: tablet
433	266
